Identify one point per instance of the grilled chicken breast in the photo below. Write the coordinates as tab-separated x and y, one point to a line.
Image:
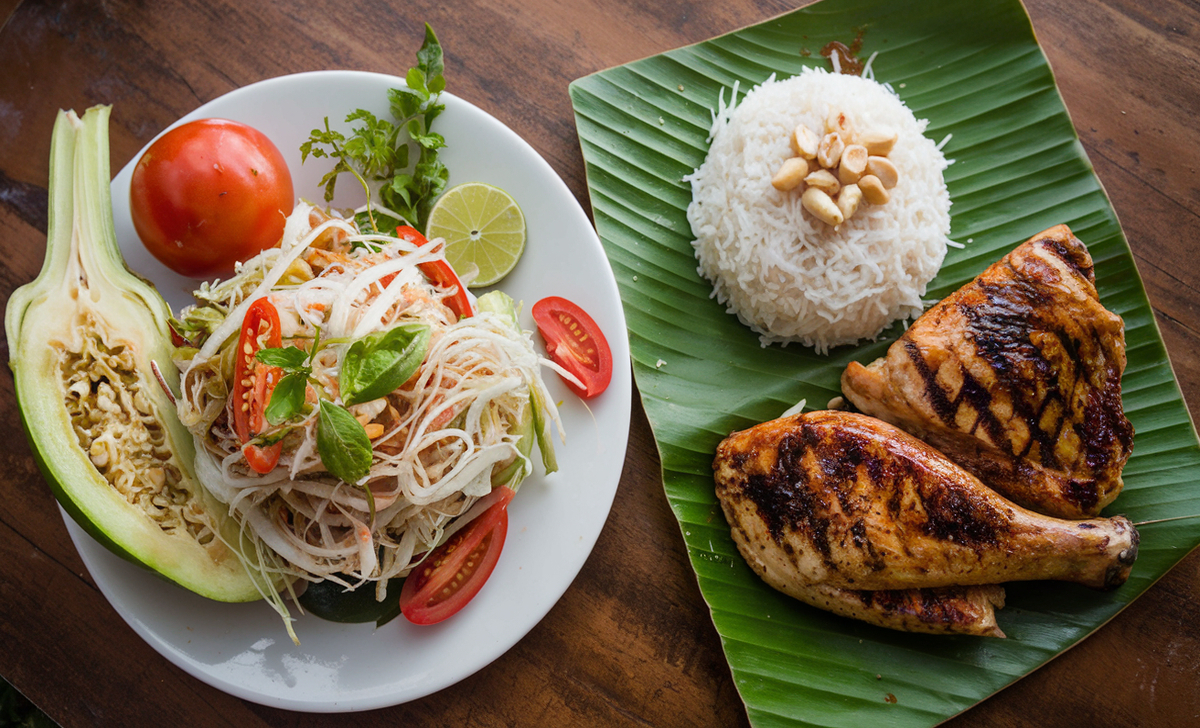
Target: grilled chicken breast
848	502
1017	378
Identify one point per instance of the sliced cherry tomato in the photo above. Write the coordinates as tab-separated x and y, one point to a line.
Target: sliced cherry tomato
440	273
210	193
250	401
576	343
454	572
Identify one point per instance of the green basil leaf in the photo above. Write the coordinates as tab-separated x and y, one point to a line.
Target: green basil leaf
379	363
287	399
286	357
342	443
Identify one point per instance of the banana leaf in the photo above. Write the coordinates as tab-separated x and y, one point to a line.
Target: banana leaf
975	71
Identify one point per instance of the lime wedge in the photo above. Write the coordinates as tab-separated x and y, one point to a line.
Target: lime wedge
483	228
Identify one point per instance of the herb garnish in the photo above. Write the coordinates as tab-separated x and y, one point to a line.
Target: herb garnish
342	443
287	399
371	367
379	363
401	174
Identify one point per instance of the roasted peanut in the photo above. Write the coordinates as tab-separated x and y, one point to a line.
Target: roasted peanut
374	430
823	180
791	173
829	151
838	122
804	142
873	190
848	199
822	206
878	143
853	163
884	170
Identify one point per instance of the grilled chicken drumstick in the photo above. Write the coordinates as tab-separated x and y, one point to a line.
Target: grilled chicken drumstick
848	502
1017	378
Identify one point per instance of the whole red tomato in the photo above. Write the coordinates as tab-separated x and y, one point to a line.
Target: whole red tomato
210	193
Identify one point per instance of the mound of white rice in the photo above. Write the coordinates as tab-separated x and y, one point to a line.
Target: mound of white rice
786	274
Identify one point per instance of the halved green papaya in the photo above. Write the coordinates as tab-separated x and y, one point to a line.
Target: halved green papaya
82	337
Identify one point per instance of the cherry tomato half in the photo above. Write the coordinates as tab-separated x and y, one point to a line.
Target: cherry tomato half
454	572
260	329
576	343
439	273
210	193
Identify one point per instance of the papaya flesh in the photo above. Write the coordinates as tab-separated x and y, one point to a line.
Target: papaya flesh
82	338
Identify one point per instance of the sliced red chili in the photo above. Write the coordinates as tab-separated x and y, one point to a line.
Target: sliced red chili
440	273
253	383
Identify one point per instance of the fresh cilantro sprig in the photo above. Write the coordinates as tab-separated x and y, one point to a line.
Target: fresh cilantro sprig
395	160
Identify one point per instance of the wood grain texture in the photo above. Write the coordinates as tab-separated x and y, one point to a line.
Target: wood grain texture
631	642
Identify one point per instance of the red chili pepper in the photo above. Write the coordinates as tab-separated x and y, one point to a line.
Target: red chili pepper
440	274
250	400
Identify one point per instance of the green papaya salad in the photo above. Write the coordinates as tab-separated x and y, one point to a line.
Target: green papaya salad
352	404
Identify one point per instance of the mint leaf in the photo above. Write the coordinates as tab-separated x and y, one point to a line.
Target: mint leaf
342	443
379	363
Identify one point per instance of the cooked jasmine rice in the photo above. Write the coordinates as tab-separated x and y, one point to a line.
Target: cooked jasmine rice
784	273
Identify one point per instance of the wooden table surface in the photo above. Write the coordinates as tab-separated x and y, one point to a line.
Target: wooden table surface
631	642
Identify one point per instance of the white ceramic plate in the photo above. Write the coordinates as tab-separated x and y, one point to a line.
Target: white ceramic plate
554	521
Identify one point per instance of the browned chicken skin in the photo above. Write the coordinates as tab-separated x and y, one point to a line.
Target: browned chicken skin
1017	378
946	610
849	503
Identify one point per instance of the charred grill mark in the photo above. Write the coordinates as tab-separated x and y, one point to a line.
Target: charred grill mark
1052	434
932	606
951	514
784	500
858	532
1075	256
788	502
936	395
1071	346
1061	382
980	400
1000	329
1104	430
839	462
893	502
1083	492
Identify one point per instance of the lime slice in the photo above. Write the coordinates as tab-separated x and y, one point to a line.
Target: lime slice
483	228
